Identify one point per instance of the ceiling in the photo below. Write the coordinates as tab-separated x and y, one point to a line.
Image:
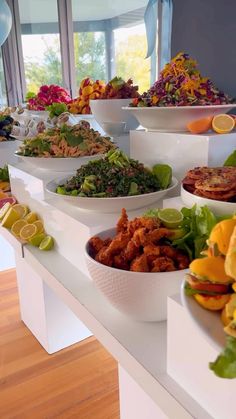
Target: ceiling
45	11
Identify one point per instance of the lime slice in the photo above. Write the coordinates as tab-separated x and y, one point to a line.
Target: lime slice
47	243
37	239
17	226
10	217
4	209
31	217
170	217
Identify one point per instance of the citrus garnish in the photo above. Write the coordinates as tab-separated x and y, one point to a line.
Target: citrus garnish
21	209
28	231
39	225
17	226
47	243
170	217
31	217
223	123
200	125
4	209
10	217
37	239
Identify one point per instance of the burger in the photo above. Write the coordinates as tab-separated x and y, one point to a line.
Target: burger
208	282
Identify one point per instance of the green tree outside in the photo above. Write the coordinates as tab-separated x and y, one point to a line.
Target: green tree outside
89	50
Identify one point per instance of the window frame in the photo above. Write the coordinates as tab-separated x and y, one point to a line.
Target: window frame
13	60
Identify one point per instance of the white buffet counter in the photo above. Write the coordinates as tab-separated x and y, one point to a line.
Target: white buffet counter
61	306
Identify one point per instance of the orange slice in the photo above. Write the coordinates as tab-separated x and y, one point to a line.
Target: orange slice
223	123
200	125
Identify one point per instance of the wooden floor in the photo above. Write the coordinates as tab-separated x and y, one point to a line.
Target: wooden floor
79	382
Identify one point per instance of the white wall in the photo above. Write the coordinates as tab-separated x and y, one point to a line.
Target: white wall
206	29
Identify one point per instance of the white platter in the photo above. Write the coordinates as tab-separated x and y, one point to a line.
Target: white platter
109	205
174	118
208	321
139	295
217	207
58	164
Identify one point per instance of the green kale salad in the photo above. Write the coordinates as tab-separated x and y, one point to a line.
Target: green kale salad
116	175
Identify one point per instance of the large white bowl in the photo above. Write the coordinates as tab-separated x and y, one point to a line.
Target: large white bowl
174	118
58	164
139	295
113	111
217	207
109	205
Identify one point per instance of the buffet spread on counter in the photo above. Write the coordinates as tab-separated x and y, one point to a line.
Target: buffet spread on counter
162	251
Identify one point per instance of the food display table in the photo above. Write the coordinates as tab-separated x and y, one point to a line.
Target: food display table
60	304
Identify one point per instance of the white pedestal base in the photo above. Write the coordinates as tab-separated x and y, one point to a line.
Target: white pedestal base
134	402
188	356
53	324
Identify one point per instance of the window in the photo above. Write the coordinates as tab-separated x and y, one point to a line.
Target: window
110	39
132	43
3	96
40	43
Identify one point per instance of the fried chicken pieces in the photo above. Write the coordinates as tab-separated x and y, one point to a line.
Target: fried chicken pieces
139	246
217	183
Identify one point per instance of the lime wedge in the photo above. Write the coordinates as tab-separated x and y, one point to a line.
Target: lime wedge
47	243
37	239
170	217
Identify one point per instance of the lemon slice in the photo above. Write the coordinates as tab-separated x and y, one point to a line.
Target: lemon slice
4	209
17	226
170	217
223	123
21	209
9	218
28	231
47	243
37	239
31	217
39	225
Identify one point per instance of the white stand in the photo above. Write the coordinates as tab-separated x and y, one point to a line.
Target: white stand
188	356
53	324
134	402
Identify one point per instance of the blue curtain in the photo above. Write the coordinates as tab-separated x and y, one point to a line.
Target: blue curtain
151	22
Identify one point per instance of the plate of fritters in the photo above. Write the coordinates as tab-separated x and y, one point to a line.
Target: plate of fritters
136	268
211	186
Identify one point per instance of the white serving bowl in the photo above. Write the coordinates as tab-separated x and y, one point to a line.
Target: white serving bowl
58	164
109	205
139	295
174	118
108	111
217	207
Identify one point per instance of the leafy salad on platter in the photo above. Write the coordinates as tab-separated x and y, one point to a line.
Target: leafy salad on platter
116	175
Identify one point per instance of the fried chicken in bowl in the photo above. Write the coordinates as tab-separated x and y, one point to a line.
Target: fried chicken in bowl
135	267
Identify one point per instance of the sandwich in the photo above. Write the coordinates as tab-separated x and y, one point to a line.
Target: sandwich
208	282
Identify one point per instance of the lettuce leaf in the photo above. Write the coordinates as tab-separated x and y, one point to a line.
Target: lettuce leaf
225	364
231	160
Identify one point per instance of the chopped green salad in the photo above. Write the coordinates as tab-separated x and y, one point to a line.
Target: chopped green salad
116	175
